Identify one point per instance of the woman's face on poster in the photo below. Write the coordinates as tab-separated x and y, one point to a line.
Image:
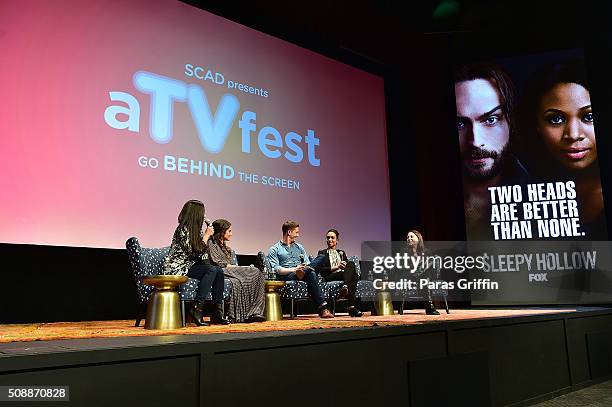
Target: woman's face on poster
565	123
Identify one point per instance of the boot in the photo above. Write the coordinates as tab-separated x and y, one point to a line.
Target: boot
217	316
354	311
430	309
197	312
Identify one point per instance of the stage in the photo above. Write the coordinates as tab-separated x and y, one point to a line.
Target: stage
126	328
476	356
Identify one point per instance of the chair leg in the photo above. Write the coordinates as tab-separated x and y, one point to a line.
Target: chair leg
142	310
292	308
446	305
400	309
183	319
333	306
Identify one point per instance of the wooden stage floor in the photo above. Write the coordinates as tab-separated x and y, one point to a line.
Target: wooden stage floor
506	356
125	328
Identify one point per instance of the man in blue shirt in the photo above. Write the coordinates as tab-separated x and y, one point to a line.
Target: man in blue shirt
290	261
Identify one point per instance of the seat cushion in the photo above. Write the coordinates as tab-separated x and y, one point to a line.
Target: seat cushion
189	290
295	290
333	288
298	290
442	292
365	290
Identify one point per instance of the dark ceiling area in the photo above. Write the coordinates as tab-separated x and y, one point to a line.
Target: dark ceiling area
412	45
381	30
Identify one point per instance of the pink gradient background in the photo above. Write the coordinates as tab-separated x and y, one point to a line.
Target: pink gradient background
69	179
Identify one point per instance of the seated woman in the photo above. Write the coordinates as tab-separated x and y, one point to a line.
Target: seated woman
416	247
246	303
336	267
188	257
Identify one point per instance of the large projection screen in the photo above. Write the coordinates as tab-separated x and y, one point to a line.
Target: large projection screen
116	113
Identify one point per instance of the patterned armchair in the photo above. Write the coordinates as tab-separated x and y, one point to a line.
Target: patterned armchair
149	262
365	288
420	295
296	290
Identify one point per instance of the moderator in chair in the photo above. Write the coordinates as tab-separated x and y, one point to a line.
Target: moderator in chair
419	295
149	262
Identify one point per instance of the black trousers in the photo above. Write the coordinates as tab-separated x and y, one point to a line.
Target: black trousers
211	279
349	276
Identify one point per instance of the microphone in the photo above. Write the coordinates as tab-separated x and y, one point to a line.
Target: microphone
302	258
207	221
261	258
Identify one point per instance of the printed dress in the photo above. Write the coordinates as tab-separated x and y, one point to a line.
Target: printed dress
247	298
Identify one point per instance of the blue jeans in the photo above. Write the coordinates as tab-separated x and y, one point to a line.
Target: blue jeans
211	279
312	281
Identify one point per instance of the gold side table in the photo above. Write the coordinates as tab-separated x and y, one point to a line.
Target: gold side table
383	303
273	312
164	308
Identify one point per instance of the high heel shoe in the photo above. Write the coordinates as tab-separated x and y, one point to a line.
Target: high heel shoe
430	309
256	318
217	316
197	312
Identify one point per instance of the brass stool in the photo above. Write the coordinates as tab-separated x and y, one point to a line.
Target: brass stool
383	303
273	312
164	308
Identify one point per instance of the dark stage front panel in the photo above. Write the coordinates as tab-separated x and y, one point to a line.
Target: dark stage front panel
525	360
159	382
584	339
456	380
359	373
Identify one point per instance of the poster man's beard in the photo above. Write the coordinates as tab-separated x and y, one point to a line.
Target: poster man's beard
478	174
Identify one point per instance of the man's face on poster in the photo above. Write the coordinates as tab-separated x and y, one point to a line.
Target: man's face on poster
483	128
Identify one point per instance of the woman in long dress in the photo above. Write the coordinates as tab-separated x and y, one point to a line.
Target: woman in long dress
246	303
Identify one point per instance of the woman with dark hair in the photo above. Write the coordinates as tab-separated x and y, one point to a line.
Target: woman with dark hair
335	266
558	122
246	303
416	248
188	257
